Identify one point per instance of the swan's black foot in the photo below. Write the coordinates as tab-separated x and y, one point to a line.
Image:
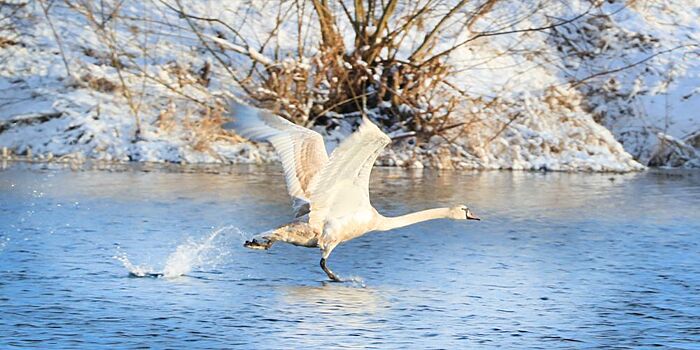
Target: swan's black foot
328	272
255	244
146	275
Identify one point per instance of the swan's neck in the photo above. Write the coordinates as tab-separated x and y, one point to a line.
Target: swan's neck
390	223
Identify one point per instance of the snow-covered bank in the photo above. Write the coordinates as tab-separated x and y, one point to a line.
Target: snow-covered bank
63	91
45	110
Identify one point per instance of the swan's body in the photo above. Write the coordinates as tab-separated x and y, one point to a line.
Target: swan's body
330	194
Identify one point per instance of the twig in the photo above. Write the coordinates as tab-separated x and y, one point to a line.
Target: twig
581	81
45	7
214	20
503	128
514	31
216	56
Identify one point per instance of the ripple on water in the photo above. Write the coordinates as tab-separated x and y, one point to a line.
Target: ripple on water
560	260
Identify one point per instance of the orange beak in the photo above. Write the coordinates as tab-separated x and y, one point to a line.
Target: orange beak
470	215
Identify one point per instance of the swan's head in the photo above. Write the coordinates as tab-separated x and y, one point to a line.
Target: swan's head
461	212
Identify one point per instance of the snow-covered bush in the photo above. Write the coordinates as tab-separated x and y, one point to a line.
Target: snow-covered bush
638	65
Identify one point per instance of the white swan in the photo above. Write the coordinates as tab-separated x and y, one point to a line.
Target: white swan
330	195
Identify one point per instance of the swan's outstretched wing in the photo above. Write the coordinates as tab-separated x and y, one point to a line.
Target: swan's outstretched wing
341	189
301	150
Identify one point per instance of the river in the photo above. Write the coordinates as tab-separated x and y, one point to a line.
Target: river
559	260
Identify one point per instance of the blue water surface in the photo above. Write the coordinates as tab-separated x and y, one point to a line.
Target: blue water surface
559	261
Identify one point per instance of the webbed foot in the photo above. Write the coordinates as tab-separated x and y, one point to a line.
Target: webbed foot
256	244
330	273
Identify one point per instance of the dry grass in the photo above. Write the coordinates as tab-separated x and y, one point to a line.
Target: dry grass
100	84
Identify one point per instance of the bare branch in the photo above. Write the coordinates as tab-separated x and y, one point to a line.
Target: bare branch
330	36
181	12
212	52
619	69
387	12
427	40
507	32
45	8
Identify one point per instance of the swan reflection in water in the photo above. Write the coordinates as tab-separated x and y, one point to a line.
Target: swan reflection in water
318	309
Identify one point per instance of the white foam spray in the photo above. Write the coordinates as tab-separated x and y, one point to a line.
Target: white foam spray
206	252
195	253
134	270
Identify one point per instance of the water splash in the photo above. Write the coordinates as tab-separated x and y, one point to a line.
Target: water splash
3	242
134	270
355	281
206	253
194	253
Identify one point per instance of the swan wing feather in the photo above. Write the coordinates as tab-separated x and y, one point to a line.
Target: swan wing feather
301	151
341	189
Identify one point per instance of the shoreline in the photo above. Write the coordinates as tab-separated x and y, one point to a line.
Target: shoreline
82	164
